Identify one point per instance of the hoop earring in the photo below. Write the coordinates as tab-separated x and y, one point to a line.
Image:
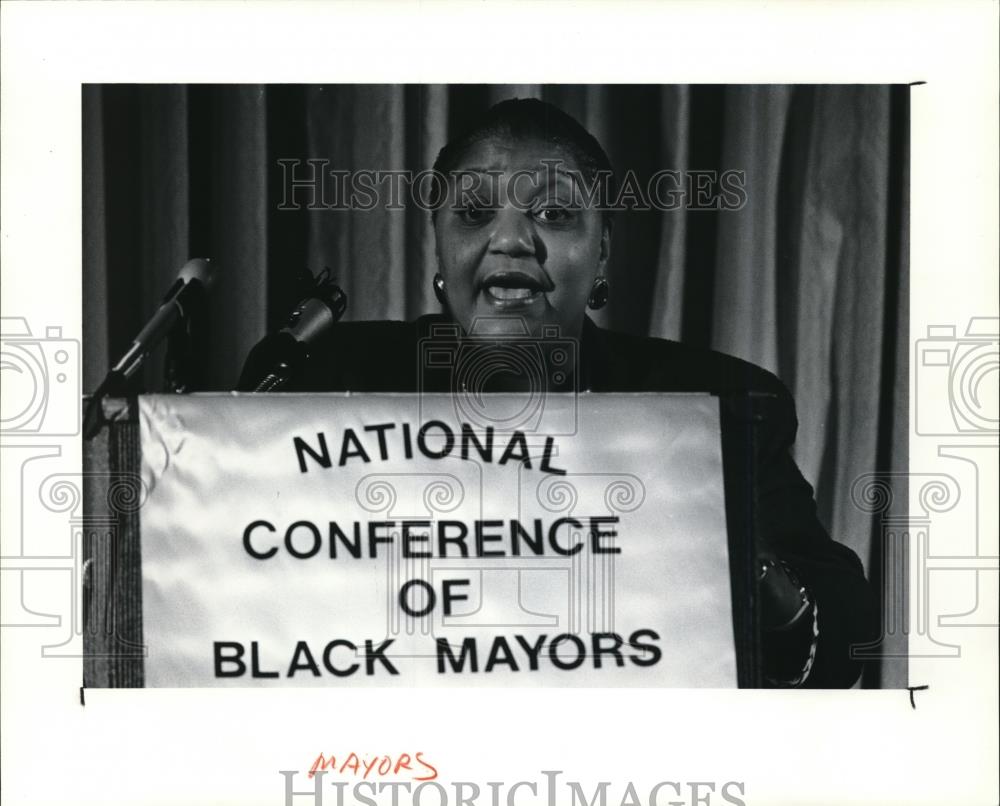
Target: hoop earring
439	291
598	294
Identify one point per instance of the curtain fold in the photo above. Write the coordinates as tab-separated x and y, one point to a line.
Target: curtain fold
807	279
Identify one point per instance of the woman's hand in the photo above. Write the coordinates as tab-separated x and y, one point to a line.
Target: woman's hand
788	622
780	595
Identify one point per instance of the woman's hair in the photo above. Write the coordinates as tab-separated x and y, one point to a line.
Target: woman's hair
532	119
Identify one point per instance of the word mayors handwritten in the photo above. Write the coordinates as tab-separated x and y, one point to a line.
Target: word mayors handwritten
416	766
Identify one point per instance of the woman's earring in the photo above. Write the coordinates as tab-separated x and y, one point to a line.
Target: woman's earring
598	294
439	292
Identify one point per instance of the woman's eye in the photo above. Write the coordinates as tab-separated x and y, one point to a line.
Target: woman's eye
553	215
474	213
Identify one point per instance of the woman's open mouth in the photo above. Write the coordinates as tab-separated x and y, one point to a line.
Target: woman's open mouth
513	289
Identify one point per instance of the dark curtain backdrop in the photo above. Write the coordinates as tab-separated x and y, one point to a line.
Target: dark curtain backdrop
809	279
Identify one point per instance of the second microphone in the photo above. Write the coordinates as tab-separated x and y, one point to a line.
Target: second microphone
278	359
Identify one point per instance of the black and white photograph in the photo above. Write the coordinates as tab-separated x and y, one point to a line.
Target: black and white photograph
398	418
466	241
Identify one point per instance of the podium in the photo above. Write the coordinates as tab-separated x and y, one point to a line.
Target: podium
276	540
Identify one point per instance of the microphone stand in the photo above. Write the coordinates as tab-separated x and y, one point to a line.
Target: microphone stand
182	303
177	377
278	377
178	369
113	385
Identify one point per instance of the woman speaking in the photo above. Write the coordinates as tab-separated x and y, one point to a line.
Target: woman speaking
523	223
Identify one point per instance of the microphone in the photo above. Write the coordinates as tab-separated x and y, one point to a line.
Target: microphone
282	355
189	290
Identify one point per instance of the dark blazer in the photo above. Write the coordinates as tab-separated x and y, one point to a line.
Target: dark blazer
388	357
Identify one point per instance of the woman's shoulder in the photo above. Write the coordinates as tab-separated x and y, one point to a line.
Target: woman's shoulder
647	363
614	361
388	355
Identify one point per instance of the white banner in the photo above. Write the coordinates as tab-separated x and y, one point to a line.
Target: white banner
378	540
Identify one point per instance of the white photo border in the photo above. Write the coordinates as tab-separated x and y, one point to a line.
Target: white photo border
162	746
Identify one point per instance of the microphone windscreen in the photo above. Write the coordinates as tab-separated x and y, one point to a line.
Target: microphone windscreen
311	320
198	269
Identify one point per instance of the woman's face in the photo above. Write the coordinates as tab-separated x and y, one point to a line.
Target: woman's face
516	247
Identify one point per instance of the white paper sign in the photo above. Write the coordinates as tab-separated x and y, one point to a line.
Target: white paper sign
379	540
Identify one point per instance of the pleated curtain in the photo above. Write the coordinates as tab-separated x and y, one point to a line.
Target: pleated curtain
808	279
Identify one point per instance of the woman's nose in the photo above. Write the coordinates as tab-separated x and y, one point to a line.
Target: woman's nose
513	233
